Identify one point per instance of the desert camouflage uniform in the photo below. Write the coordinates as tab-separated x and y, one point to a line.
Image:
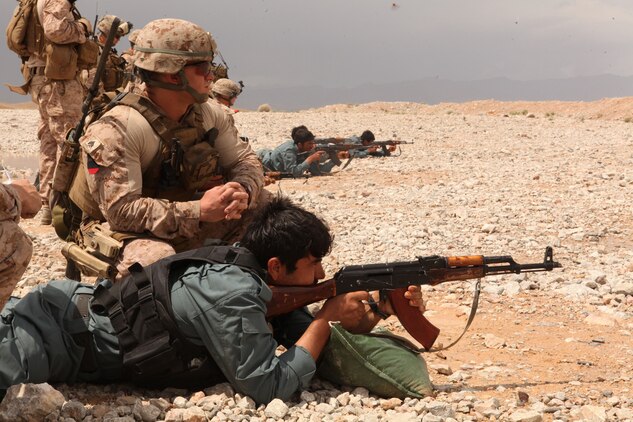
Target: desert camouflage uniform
123	144
59	102
226	109
15	246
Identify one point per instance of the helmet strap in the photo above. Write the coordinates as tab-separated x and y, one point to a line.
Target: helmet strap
183	86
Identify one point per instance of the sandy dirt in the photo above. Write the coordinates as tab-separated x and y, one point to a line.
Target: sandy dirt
482	178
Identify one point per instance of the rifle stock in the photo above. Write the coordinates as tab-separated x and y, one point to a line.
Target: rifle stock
396	277
417	325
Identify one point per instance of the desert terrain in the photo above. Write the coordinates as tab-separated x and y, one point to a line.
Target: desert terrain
484	177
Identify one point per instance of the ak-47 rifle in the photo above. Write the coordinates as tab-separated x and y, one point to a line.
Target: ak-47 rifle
271	177
326	141
394	278
332	150
384	145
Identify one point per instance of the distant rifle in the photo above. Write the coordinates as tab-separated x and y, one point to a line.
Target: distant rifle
279	175
94	28
321	141
386	144
271	177
394	279
332	150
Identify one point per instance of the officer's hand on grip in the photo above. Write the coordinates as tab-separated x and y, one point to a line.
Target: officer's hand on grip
348	309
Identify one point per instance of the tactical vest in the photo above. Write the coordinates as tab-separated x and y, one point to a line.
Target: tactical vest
62	60
114	73
186	161
155	353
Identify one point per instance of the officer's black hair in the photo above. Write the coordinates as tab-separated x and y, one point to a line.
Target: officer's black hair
367	136
294	131
286	231
302	135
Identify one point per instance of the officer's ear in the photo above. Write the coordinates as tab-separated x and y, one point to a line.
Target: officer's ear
172	78
275	268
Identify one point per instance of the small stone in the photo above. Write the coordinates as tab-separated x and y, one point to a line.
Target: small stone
30	402
392	403
307	396
526	416
493	342
276	409
74	409
180	402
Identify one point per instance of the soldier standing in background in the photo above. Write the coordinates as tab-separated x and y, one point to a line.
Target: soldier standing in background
113	78
54	82
128	56
165	169
18	199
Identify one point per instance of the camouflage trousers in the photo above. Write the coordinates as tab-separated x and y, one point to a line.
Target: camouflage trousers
59	103
146	251
15	254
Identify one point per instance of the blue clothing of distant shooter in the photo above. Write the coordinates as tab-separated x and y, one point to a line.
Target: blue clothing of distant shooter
286	158
362	153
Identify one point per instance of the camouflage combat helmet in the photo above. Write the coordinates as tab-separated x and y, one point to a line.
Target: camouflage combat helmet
226	88
132	37
105	23
167	45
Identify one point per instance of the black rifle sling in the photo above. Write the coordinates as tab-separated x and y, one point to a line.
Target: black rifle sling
471	317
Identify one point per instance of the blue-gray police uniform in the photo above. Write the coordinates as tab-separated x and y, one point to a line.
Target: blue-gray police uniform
219	306
363	153
286	158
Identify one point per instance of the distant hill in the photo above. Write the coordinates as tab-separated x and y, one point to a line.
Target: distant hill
428	91
435	91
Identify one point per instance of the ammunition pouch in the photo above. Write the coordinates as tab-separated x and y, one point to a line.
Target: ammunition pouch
88	55
114	74
199	164
61	61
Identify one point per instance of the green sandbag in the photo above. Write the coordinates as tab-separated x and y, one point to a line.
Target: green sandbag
380	364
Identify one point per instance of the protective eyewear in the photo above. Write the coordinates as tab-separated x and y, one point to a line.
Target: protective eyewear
203	68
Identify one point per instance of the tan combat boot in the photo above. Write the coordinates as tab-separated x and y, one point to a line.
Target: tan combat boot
46	218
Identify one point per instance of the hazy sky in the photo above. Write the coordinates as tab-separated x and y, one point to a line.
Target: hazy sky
345	43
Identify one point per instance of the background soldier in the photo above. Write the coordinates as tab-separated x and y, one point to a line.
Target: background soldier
224	92
17	199
128	56
54	82
294	156
166	169
366	138
114	73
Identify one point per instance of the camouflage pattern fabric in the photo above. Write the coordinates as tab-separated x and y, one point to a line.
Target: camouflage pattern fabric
15	246
59	102
120	147
226	87
146	251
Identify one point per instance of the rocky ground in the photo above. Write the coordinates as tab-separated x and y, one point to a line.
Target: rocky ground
481	178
